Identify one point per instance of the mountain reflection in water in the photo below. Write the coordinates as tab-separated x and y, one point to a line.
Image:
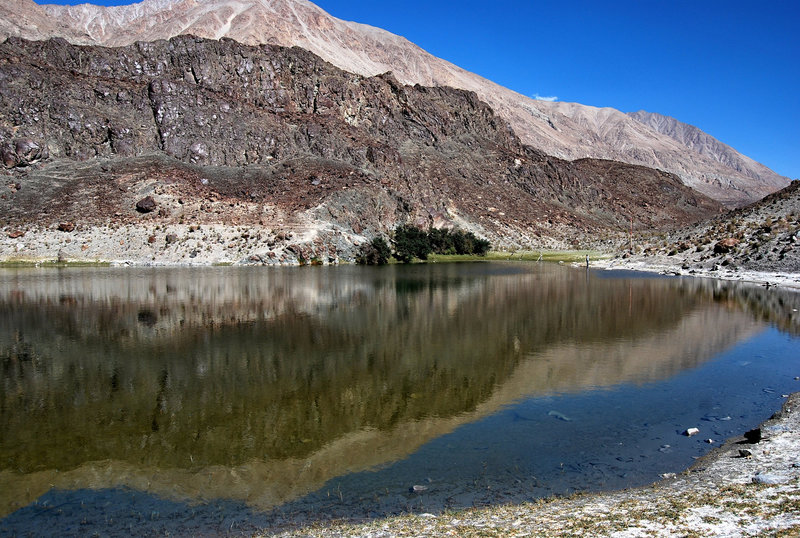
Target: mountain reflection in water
261	385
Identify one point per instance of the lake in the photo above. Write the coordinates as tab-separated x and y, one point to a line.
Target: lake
226	400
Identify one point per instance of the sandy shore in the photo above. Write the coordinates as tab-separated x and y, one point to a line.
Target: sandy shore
739	489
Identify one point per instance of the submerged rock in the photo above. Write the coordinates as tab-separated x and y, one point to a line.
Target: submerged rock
559	416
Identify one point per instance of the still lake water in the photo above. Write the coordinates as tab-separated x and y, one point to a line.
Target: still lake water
228	399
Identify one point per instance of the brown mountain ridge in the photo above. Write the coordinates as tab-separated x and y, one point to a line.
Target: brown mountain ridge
566	130
303	159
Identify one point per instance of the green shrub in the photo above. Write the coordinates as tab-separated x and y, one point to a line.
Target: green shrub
441	241
376	252
410	242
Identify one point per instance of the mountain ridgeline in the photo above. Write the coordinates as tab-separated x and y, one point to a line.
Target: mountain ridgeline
217	132
566	130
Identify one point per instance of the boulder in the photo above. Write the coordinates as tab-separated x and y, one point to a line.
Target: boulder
22	152
146	205
753	436
726	245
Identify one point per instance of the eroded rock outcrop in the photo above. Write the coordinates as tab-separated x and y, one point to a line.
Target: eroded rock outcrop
265	136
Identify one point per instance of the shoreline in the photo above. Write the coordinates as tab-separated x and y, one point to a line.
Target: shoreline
738	489
767	279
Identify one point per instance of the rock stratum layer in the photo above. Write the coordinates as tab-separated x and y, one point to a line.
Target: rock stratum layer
567	130
319	159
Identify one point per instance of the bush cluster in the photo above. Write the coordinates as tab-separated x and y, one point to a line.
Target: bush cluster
376	252
410	242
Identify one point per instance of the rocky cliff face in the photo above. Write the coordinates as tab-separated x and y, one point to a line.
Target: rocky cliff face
566	130
215	132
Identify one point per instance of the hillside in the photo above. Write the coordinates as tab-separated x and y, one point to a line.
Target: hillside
760	241
318	159
565	130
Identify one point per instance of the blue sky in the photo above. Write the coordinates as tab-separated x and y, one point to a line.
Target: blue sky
730	67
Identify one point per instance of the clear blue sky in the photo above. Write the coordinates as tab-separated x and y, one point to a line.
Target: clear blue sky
730	67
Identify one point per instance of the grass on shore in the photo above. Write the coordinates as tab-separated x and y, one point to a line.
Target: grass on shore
566	256
49	264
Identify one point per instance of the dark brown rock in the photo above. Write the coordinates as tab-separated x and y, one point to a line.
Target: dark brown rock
753	436
22	152
66	226
146	205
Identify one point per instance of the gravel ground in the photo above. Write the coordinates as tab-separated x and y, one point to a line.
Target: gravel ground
740	489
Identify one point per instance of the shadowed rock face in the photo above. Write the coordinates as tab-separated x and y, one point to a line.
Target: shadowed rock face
273	136
566	130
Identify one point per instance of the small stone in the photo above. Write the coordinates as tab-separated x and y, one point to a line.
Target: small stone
171	238
745	453
710	441
418	489
151	239
146	205
19	233
768	478
753	436
691	431
66	226
668	475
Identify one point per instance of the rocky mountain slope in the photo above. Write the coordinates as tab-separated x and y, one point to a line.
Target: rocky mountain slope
294	158
566	130
762	238
701	142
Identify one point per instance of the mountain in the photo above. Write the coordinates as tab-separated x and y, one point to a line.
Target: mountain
701	142
565	130
763	237
284	156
